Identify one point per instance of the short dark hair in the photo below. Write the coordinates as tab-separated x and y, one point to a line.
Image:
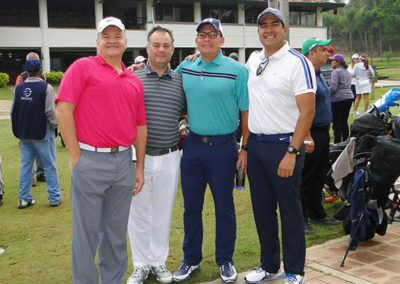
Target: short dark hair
160	29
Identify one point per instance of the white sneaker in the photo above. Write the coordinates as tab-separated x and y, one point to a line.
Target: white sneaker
295	279
162	274
138	275
355	113
228	273
260	275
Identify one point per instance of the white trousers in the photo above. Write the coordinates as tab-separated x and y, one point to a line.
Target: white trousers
151	210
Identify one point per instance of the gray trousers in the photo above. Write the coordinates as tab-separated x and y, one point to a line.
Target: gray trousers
101	192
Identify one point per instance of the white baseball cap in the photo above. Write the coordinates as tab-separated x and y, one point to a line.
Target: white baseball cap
110	21
140	59
355	56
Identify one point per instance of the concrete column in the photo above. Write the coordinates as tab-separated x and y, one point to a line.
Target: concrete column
98	11
197	12
241	14
44	26
319	17
242	55
150	11
284	7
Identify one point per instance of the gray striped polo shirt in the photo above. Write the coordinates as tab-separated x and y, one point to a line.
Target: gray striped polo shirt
165	102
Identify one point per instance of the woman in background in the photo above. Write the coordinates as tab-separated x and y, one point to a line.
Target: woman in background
363	73
341	97
355	58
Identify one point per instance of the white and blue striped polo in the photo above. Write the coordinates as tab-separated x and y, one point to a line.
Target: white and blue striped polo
272	94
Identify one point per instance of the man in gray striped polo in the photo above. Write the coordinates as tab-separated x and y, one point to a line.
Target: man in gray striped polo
150	214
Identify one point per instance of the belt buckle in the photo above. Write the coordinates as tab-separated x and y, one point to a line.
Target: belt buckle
114	150
204	139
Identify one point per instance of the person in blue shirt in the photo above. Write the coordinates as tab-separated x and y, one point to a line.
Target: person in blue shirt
316	163
216	90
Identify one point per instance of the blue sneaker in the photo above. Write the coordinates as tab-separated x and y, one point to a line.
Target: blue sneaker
185	271
294	279
228	273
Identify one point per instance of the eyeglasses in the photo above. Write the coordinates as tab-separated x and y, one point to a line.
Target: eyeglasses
211	35
262	66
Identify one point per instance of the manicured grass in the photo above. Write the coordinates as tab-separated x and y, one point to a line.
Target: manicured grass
6	93
393	62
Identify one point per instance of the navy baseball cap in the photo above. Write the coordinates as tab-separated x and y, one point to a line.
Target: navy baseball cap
33	66
271	11
210	21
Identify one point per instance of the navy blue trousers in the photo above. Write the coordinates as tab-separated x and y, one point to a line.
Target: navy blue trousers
214	163
268	190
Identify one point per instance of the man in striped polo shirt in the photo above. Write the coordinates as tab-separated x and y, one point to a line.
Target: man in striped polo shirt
216	90
151	210
282	98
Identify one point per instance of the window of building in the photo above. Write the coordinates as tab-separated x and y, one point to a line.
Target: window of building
131	12
251	12
225	13
179	55
176	12
303	18
71	14
19	13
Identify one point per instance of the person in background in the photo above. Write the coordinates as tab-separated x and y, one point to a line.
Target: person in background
355	58
281	109
341	97
140	61
40	173
363	73
216	90
34	122
100	119
326	69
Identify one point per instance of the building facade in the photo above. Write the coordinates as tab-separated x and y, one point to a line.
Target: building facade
64	30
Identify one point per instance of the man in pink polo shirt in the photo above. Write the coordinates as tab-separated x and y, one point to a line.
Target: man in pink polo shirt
100	109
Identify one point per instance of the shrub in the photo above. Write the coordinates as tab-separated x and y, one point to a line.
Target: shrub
54	77
4	79
388	55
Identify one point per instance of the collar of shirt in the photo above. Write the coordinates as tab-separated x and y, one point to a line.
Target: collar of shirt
149	71
101	61
217	60
277	55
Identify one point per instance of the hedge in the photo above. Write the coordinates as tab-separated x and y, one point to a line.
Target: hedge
4	79
54	77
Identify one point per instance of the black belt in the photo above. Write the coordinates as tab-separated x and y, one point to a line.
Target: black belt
159	152
214	139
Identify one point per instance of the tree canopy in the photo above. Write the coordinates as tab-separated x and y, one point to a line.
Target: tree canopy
370	26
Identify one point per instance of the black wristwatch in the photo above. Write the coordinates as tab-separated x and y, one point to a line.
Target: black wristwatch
244	147
293	150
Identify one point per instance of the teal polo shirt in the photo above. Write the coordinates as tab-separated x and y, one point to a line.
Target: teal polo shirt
215	92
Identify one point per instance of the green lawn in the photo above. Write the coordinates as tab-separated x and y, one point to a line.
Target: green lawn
37	240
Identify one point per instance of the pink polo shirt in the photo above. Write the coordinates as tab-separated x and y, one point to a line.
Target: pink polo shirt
108	106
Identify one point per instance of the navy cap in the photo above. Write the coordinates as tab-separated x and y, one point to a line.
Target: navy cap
271	11
33	66
210	21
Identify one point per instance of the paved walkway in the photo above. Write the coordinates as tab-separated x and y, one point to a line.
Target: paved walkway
387	83
5	107
374	261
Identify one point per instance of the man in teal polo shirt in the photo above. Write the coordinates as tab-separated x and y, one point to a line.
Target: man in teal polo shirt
216	89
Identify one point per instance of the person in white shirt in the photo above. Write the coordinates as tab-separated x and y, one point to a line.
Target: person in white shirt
363	73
